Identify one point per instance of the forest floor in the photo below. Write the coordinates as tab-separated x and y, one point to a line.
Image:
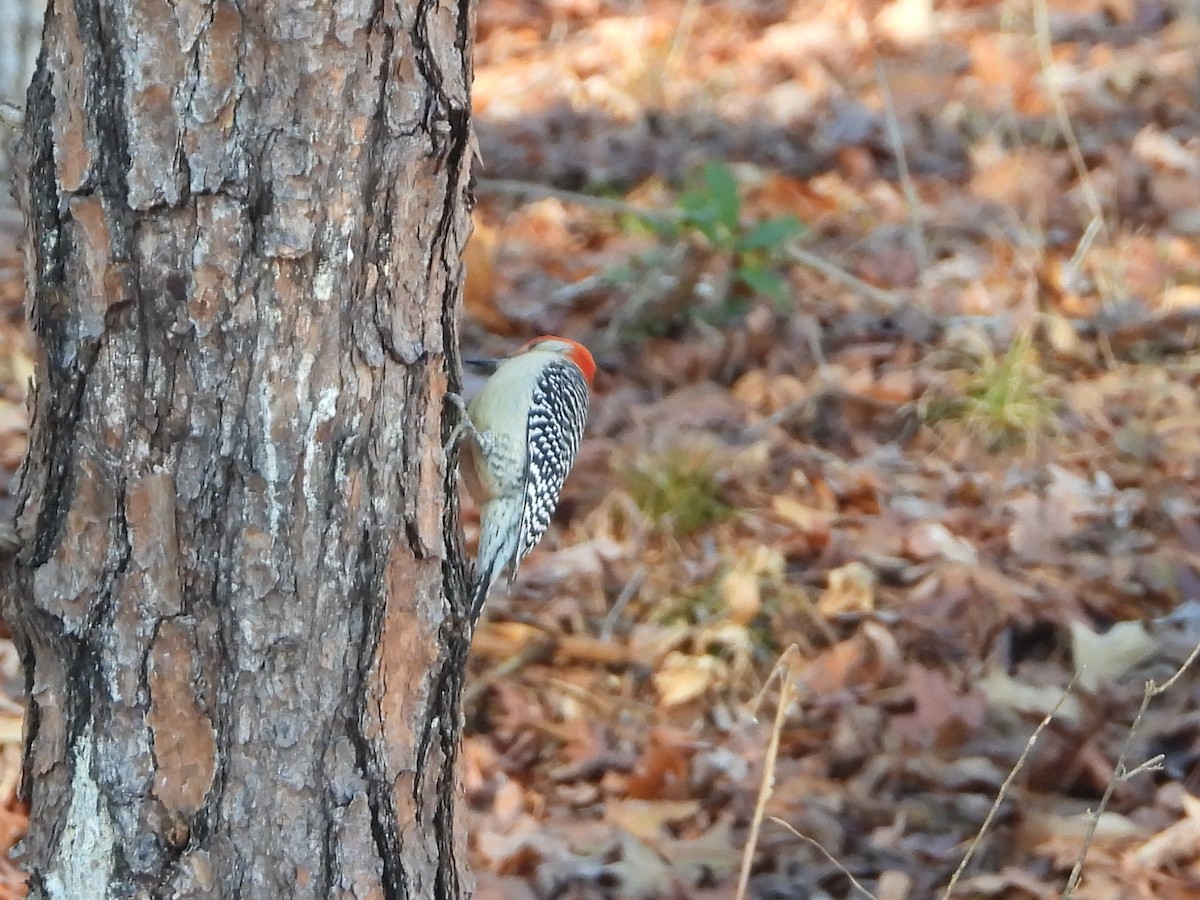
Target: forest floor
889	508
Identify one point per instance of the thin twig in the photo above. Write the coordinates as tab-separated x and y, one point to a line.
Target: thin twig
627	593
1085	243
825	392
1187	664
511	187
829	856
916	231
884	298
1120	773
1041	31
1004	788
683	34
581	288
1153	764
784	414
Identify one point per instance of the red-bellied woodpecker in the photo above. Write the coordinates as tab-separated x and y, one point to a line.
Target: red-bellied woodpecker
525	428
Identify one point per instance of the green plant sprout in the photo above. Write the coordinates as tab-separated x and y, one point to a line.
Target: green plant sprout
706	234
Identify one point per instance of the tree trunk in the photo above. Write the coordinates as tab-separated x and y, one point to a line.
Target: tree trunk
238	596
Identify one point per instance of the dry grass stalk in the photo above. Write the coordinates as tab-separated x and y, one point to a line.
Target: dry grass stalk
782	669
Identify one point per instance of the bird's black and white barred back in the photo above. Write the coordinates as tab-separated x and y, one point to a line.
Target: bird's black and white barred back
557	417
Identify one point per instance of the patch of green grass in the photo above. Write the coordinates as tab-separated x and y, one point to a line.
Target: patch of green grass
1003	401
677	491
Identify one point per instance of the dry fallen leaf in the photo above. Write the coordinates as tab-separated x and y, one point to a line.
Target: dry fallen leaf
806	518
907	22
743	600
894	884
640	871
1177	843
1060	836
1101	658
661	772
851	590
682	677
1005	692
646	819
714	854
943	716
1180	296
929	540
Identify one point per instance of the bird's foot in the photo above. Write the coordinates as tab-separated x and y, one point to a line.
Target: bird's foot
462	426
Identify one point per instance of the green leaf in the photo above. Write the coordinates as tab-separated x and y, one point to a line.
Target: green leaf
733	308
640	225
723	189
700	214
619	275
765	282
771	233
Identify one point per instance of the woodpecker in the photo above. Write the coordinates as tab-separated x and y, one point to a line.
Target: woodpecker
525	428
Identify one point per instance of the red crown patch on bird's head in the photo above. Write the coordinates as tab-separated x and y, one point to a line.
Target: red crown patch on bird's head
572	350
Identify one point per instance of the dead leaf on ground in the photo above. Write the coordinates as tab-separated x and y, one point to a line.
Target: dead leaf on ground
851	590
1102	658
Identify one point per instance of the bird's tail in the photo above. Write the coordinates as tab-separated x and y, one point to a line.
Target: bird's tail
497	547
483	586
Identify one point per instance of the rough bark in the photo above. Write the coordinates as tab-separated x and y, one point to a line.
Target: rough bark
245	222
